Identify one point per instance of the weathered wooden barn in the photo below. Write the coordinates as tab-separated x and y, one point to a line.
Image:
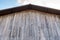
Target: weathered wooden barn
30	22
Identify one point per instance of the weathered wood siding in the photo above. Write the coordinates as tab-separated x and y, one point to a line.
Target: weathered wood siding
30	25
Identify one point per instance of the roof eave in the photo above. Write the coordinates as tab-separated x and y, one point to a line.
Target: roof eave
29	7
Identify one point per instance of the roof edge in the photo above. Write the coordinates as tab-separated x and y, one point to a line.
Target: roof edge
29	7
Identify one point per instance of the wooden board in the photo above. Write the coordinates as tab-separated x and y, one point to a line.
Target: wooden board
30	25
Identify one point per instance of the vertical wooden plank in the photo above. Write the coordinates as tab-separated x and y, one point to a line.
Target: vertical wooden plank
17	27
52	27
57	23
28	29
41	25
4	25
30	25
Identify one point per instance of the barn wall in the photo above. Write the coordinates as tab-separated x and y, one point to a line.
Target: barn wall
30	25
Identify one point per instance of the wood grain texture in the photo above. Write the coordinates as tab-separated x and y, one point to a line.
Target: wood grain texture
30	25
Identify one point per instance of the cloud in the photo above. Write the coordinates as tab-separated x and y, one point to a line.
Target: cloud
53	5
47	3
18	1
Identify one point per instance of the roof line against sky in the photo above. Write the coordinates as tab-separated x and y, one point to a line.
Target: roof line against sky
29	7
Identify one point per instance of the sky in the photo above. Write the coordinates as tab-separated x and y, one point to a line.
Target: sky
5	4
47	3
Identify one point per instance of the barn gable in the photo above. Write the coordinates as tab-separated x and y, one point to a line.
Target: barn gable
30	22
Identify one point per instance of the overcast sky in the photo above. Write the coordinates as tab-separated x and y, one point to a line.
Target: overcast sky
13	3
